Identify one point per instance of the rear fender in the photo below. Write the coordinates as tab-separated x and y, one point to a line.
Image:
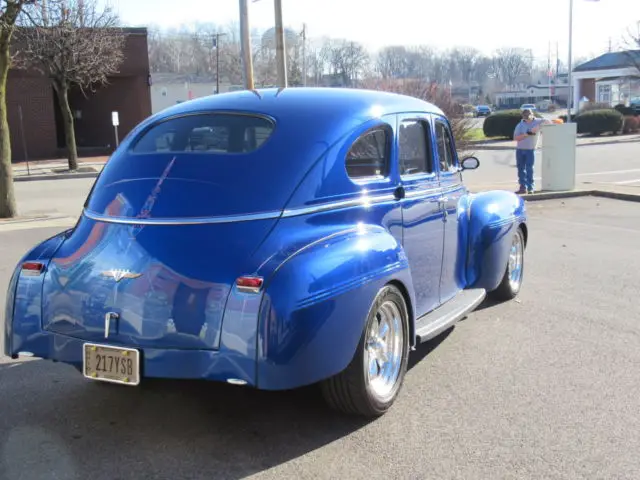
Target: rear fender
316	303
493	218
23	308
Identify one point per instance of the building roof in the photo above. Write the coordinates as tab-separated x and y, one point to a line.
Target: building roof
611	60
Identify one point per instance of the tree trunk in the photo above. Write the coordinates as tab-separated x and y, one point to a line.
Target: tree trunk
8	207
69	132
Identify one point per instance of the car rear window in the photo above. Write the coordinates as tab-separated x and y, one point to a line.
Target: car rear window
196	165
210	133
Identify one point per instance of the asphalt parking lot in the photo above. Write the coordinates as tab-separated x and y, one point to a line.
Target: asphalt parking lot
544	387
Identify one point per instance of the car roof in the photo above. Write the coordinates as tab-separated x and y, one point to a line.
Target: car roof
327	103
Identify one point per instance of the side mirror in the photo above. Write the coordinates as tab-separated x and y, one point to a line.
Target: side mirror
470	163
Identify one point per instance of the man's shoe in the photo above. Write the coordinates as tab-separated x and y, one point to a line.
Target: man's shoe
521	191
529	192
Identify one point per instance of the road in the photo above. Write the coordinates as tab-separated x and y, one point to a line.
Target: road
617	164
545	387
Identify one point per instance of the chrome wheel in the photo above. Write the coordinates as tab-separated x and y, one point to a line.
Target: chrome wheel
516	257
384	350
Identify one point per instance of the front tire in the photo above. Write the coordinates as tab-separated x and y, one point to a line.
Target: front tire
372	381
511	283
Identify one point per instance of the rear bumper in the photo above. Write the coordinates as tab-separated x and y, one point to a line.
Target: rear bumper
154	363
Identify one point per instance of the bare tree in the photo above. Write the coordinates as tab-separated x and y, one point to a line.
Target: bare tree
509	64
74	44
393	62
11	10
633	42
431	92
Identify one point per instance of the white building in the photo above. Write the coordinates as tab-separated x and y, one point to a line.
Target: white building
612	78
168	89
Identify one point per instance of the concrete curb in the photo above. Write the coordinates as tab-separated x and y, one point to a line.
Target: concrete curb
534	197
489	146
54	176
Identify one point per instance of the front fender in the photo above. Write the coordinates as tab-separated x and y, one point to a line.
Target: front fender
316	303
493	218
23	308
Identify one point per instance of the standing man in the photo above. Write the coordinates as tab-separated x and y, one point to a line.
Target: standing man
526	136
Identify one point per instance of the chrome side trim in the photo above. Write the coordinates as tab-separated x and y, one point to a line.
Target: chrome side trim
181	221
356	202
362	201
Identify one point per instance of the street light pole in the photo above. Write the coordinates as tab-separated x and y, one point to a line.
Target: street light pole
569	77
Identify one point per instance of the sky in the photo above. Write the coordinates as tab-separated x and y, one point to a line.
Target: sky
486	25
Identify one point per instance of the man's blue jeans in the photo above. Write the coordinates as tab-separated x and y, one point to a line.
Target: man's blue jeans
525	160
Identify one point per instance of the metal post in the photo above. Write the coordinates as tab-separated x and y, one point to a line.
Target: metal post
281	58
569	77
115	130
245	43
24	142
218	35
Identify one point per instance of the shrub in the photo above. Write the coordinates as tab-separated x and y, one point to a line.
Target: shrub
590	106
597	122
502	124
631	124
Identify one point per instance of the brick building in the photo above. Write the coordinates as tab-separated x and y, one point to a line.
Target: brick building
30	93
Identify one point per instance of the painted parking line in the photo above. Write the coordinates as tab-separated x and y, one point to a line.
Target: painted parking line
628	182
609	172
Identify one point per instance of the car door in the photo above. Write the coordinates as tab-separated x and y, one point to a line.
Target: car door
421	213
452	190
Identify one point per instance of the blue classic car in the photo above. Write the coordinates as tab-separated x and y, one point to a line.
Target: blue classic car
272	239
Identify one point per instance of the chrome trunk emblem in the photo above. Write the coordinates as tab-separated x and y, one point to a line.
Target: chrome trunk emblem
118	275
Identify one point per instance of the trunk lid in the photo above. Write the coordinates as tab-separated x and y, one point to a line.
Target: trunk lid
166	285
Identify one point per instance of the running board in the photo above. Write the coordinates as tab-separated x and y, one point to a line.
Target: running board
437	321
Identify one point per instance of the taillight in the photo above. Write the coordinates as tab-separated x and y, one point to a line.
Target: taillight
249	284
32	268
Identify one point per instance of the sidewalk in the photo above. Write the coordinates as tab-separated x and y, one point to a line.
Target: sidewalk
581	142
620	192
88	167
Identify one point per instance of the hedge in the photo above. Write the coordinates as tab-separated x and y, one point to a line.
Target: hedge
502	124
597	122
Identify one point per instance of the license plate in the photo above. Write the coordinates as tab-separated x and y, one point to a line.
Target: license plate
111	364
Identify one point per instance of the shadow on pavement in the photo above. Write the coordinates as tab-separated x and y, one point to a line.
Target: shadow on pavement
53	421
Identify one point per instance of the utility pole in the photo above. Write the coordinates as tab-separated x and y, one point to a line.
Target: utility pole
281	58
245	45
304	54
217	45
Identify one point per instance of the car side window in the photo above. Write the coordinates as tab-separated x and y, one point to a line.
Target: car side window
415	154
369	154
446	152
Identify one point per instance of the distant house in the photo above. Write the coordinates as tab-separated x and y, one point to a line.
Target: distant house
536	94
611	78
168	89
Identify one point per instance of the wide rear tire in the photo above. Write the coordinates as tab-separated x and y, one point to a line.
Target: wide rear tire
370	384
